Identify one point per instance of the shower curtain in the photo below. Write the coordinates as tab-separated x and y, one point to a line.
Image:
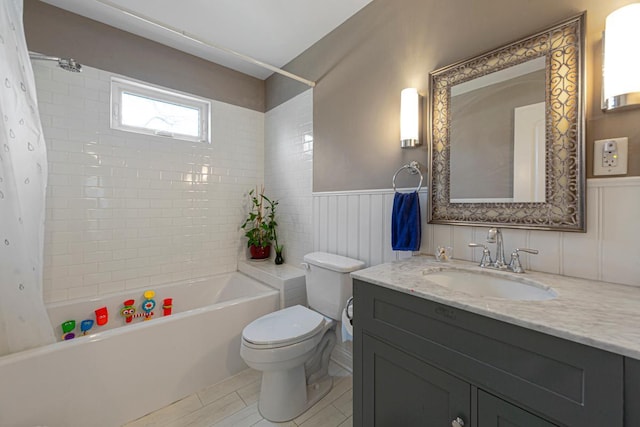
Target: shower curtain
24	322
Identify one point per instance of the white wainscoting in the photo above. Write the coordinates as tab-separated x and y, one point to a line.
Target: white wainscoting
357	224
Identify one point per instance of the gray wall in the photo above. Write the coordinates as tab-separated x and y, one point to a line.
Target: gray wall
362	66
56	32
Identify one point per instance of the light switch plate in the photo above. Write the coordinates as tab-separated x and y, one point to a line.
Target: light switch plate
610	156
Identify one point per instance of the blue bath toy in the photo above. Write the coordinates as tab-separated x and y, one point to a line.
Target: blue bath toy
86	325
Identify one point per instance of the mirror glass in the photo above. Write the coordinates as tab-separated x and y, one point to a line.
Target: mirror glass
497	120
507	131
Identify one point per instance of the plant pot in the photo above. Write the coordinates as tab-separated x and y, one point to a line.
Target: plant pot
259	252
279	260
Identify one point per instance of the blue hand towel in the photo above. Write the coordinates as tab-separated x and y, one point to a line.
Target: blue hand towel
406	227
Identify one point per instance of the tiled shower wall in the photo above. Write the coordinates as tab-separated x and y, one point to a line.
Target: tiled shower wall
356	224
288	172
130	211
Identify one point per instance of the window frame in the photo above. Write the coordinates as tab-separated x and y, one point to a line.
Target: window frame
120	86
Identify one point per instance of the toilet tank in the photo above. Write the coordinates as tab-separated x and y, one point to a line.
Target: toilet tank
328	282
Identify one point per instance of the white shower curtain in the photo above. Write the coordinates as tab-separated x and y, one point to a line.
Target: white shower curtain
23	177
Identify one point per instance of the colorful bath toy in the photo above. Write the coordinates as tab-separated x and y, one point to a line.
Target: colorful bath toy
67	327
128	311
86	325
167	305
102	316
149	304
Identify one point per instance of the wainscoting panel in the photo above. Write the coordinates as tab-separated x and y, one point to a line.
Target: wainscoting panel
357	224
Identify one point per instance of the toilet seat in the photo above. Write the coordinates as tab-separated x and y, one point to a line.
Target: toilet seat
284	327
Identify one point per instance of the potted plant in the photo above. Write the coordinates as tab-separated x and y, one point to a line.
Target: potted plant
260	225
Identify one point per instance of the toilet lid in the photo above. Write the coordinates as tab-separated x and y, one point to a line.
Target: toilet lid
292	324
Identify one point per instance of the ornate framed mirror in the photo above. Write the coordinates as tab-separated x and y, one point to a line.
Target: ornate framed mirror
507	135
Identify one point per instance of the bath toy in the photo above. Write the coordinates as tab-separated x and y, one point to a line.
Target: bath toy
149	304
128	311
167	305
86	325
67	327
102	316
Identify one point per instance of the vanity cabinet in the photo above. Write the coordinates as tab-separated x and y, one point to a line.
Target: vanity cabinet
418	362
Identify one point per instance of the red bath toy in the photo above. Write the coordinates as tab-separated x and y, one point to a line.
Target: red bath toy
102	316
167	305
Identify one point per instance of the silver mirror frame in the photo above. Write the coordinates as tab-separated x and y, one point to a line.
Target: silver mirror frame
564	209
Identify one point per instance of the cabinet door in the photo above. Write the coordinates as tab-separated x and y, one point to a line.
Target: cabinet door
495	412
400	390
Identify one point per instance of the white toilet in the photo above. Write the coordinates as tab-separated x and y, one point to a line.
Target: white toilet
292	346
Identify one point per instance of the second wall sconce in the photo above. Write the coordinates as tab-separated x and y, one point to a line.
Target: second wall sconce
409	118
621	65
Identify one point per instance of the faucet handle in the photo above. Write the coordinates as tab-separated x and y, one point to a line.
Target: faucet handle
529	251
486	254
514	264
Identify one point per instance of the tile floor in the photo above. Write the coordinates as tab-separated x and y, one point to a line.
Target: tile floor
234	402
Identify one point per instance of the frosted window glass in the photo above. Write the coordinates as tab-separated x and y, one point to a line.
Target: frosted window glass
155	114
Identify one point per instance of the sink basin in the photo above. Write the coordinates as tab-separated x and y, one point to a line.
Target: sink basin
488	285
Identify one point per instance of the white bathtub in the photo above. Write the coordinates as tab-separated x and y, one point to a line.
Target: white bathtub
119	372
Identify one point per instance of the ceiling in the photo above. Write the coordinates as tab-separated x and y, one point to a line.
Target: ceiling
272	31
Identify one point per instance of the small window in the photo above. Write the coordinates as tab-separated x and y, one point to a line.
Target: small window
142	108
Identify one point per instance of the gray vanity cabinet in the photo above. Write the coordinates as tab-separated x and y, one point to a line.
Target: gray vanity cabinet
417	362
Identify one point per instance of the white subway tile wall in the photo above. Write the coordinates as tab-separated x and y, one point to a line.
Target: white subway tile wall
289	172
131	211
356	224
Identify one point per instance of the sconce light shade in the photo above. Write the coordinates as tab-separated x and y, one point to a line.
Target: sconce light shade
621	67
409	118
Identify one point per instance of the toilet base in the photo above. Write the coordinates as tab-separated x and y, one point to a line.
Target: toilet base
317	391
283	400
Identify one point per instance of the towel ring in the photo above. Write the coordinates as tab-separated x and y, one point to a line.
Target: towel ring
413	168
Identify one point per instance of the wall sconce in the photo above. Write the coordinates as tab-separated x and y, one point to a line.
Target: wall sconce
621	65
409	118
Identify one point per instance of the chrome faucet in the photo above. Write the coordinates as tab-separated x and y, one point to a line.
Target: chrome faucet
495	236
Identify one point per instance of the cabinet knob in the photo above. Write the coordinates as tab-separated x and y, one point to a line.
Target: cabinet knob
458	422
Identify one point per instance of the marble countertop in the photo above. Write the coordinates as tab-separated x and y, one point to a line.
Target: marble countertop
598	314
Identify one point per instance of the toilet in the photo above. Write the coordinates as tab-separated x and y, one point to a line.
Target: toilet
292	346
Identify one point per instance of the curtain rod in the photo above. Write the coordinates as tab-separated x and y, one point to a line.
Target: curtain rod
198	40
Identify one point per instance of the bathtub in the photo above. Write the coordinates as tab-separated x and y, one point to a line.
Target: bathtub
121	371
